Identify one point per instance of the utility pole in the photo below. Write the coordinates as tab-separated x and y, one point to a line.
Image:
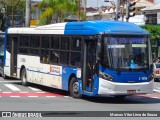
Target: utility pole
85	3
117	9
27	16
12	23
78	10
127	11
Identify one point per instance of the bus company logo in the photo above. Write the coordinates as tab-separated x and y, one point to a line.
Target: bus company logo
55	69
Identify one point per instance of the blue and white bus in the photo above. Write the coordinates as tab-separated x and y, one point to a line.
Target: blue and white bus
93	58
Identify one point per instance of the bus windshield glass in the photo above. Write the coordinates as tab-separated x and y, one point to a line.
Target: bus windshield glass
126	52
1	45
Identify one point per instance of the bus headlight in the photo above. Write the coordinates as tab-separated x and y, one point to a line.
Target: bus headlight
105	76
151	77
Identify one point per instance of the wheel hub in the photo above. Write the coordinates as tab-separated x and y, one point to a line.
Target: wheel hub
75	87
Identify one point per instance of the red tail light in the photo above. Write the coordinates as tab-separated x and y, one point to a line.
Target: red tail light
157	71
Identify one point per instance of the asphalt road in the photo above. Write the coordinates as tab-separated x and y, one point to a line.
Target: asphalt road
15	97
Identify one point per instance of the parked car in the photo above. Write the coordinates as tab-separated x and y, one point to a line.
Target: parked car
156	71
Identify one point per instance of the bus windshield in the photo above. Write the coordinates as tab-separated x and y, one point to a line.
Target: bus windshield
1	49
126	52
1	45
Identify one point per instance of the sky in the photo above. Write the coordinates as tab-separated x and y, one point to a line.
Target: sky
99	3
96	3
157	1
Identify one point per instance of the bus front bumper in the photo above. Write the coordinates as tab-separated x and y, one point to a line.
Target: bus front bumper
113	88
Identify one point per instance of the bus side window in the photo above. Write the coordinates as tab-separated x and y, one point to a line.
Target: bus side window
54	57
54	51
45	49
44	56
75	59
75	51
64	50
34	45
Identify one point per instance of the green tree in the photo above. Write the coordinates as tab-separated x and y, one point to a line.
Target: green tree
15	6
154	31
57	10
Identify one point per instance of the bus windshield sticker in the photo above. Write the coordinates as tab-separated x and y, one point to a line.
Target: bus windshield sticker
139	45
116	46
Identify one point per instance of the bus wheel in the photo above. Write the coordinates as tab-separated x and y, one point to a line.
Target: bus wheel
73	87
24	77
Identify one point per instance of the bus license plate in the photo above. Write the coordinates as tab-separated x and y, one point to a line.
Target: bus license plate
131	91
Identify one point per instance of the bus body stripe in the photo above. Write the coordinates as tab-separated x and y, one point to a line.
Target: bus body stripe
42	72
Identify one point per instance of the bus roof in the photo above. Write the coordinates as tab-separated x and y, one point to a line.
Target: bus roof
83	28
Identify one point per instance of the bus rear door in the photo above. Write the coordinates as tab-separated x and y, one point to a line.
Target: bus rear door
14	50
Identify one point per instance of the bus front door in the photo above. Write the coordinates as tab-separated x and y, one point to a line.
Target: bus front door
14	51
88	62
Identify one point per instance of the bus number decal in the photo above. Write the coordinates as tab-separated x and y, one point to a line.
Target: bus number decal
142	78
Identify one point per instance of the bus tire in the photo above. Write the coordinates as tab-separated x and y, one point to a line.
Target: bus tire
24	77
74	87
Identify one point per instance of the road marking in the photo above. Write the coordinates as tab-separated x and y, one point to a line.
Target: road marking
29	94
34	89
11	81
66	96
50	96
14	96
6	92
156	90
40	92
23	92
12	87
32	96
155	97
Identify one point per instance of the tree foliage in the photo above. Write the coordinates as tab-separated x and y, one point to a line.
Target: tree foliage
154	31
57	10
18	7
